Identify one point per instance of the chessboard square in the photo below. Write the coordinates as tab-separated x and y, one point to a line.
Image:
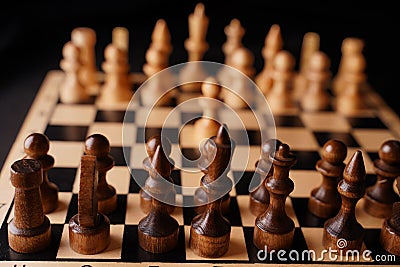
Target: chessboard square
138	178
138	154
244	182
297	138
73	115
305	181
115	116
239	119
64	178
143	134
72	207
288	121
372	139
118	215
369	165
66	154
306	160
303	214
366	122
158	117
236	251
190	180
113	250
233	215
365	219
247	217
119	177
245	137
60	213
66	132
346	138
121	155
244	158
118	134
325	121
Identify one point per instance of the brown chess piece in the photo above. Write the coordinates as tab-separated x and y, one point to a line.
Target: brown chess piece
99	146
158	230
210	230
89	230
259	197
273	229
344	226
380	197
325	199
30	230
36	146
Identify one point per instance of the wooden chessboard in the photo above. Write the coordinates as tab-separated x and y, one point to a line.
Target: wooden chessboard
67	126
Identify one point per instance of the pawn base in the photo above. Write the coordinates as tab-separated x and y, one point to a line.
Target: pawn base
377	209
390	239
158	244
271	241
208	246
322	209
338	243
108	205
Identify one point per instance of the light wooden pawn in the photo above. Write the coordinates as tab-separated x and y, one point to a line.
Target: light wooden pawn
234	34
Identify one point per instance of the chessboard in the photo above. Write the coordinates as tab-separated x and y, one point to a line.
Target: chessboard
68	125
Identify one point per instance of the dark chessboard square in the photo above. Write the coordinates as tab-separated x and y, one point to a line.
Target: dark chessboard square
176	177
66	132
303	215
306	160
189	117
118	216
63	177
373	156
121	155
142	134
366	122
378	252
243	181
346	138
72	208
288	121
245	137
138	178
132	252
115	116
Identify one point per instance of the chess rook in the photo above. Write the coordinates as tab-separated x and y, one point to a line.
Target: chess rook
30	230
273	228
36	146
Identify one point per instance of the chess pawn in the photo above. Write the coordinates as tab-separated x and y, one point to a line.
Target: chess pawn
280	96
234	33
120	38
116	88
380	197
71	90
316	97
36	146
325	200
30	230
85	39
345	225
259	197
99	146
272	45
151	146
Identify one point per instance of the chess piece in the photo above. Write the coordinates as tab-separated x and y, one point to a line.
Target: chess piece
273	228
196	45
116	88
316	97
389	237
239	95
351	46
30	230
151	146
99	146
280	96
85	39
344	226
325	199
259	197
351	99
208	125
36	146
311	42
210	230
120	38
89	230
71	89
380	197
234	34
272	45
158	230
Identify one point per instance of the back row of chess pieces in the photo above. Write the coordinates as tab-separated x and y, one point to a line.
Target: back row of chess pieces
334	200
282	86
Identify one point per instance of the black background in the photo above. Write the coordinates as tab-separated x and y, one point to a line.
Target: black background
32	36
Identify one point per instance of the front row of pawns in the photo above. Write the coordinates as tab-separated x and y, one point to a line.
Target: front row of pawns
89	230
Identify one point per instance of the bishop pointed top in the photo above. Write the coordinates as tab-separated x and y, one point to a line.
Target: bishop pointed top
222	135
160	163
274	37
355	169
199	10
161	31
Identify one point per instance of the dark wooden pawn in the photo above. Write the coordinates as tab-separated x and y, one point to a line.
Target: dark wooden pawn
158	231
210	231
89	230
325	200
30	230
345	225
151	146
98	145
390	232
380	197
259	197
274	230
37	146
